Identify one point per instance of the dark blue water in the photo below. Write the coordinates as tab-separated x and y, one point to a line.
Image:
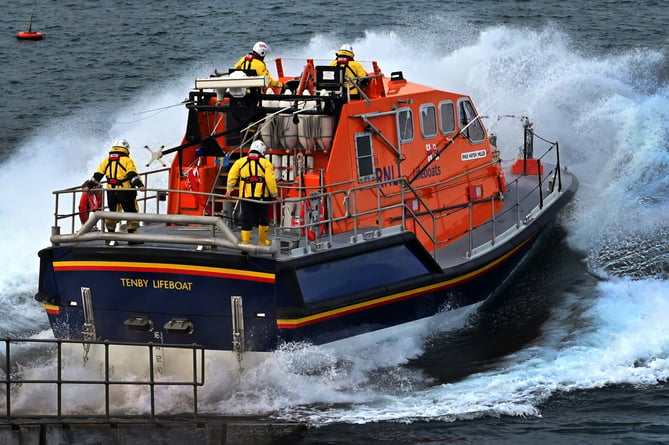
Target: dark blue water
574	350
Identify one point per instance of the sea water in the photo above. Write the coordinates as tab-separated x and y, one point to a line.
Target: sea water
574	349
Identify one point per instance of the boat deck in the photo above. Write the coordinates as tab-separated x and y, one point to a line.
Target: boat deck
521	205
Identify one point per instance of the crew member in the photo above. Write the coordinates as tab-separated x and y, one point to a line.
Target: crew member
121	173
352	68
255	60
257	182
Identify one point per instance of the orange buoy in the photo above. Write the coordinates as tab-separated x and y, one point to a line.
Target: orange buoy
30	34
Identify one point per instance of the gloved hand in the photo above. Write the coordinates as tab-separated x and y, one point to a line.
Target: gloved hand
292	84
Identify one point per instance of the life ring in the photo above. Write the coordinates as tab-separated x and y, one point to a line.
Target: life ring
307	216
193	183
90	201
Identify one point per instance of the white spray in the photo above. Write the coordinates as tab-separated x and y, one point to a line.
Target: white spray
612	125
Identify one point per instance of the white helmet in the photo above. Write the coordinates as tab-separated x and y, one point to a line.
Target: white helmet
261	48
346	50
122	143
259	146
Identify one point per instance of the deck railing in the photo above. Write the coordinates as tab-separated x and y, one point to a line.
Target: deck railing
56	355
390	202
316	231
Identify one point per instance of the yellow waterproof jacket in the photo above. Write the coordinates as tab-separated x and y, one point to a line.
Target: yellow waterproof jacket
256	177
351	69
250	62
119	169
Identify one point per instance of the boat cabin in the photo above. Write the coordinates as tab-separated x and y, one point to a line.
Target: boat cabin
354	149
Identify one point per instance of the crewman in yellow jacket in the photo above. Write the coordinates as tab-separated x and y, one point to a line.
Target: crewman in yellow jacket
257	182
121	174
351	67
255	60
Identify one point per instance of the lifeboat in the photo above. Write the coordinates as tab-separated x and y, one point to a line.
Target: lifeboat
393	207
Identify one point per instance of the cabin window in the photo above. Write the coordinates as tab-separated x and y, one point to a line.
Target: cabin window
447	117
474	132
405	125
365	156
428	121
365	271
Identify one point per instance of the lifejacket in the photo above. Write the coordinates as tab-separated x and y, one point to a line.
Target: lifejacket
112	169
342	61
248	61
256	176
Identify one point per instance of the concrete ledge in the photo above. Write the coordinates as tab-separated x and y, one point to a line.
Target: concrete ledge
210	430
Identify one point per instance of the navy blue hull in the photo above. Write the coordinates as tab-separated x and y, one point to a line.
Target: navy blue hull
141	294
400	302
279	301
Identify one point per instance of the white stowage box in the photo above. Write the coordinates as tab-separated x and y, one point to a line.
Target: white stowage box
230	82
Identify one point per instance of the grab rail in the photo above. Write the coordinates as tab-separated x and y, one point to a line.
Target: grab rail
395	204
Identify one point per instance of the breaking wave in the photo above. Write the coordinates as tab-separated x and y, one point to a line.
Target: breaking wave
611	118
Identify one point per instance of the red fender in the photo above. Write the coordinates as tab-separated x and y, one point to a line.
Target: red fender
90	201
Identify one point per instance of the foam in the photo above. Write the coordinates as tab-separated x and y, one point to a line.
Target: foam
611	119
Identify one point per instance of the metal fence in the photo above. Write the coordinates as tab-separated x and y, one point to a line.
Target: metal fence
61	368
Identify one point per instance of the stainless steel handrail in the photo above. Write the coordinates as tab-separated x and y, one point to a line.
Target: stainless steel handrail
396	203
